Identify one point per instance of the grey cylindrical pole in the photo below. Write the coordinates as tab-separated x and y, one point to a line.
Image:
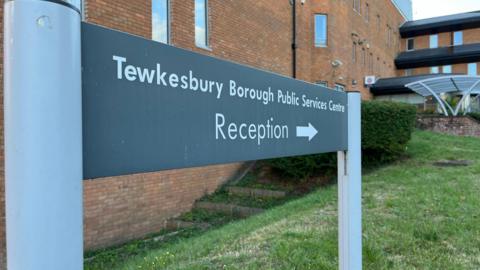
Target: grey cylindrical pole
43	135
350	191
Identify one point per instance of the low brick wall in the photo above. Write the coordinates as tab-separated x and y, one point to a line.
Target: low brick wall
118	209
459	125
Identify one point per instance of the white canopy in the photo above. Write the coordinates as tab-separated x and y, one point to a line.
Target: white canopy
462	84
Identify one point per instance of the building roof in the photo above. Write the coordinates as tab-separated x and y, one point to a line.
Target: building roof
468	53
396	85
434	25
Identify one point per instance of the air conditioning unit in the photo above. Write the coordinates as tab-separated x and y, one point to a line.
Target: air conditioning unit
370	80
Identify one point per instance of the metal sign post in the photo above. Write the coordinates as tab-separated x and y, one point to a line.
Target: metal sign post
43	135
350	191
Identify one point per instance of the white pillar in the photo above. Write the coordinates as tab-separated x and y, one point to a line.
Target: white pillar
43	135
350	191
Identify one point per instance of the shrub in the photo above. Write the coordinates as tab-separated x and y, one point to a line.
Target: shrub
386	130
475	115
302	167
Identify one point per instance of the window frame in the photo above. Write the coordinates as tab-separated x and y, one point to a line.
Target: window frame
364	57
367	12
370	63
357	6
206	12
354	52
430	41
435	70
320	45
407	43
472	65
322	83
168	32
453	38
340	87
449	67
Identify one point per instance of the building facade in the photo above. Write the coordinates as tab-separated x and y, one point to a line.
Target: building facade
434	47
336	43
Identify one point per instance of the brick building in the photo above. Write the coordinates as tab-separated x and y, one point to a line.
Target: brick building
432	48
337	43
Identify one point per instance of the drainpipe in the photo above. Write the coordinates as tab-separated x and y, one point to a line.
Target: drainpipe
294	38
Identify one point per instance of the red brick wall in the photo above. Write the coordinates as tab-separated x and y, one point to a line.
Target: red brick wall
346	26
458	126
118	209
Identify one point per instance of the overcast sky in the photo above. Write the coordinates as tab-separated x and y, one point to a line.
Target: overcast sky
431	8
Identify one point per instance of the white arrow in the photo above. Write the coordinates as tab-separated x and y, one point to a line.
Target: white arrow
309	132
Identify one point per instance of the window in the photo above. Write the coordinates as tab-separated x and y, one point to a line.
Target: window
370	63
378	65
367	12
472	69
339	87
354	52
82	9
447	69
379	23
433	41
434	70
410	44
321	30
457	38
201	23
408	72
364	57
389	35
322	83
160	21
356	5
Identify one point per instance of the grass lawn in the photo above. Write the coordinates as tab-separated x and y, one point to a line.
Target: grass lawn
416	216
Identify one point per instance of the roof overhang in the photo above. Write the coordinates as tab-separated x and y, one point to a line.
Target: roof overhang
449	23
468	53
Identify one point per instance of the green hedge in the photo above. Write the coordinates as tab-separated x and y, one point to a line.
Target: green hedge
475	115
386	130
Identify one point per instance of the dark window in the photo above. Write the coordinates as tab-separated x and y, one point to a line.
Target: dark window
410	44
367	12
354	52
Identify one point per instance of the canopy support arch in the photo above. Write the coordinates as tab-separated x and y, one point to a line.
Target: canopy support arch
465	85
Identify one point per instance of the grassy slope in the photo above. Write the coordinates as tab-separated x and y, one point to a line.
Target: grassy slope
416	216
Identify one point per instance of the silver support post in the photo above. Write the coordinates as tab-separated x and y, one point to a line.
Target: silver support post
350	191
43	135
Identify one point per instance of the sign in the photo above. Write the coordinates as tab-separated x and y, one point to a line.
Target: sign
370	80
148	106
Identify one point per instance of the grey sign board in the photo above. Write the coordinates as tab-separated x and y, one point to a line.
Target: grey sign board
148	106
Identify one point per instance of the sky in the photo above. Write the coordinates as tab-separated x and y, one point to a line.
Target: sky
431	8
